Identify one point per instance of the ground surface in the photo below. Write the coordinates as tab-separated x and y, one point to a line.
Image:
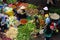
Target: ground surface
55	37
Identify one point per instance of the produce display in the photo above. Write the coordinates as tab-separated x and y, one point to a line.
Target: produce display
17	20
54	10
24	31
16	31
13	21
11	1
31	11
12	6
8	11
3	37
22	4
32	6
12	33
1	3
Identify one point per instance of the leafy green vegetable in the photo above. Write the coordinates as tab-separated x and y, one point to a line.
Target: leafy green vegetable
32	6
1	3
11	1
54	10
24	31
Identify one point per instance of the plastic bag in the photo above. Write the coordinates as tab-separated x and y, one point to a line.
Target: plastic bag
41	31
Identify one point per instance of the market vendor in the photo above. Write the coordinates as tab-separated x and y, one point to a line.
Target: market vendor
3	24
55	19
37	23
21	13
48	32
47	20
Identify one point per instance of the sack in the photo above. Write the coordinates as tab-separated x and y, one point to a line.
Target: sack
41	31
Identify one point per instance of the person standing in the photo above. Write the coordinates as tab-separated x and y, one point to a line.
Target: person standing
48	32
51	2
37	23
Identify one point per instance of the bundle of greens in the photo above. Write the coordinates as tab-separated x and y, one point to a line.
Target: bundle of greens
11	1
24	31
32	6
54	10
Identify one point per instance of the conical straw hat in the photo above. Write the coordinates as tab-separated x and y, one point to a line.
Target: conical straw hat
54	16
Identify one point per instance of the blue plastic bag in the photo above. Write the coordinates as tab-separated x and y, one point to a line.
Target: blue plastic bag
47	20
1	6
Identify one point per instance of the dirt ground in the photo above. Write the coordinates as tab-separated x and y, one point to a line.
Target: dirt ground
55	37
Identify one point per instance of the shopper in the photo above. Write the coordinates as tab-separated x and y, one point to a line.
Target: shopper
58	23
51	3
48	32
3	25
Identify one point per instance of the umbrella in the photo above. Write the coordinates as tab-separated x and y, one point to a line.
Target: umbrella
54	16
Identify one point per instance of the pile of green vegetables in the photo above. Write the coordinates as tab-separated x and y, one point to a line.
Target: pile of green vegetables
1	3
32	6
54	10
11	1
24	31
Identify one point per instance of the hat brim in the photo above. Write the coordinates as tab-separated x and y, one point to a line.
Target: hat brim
54	16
